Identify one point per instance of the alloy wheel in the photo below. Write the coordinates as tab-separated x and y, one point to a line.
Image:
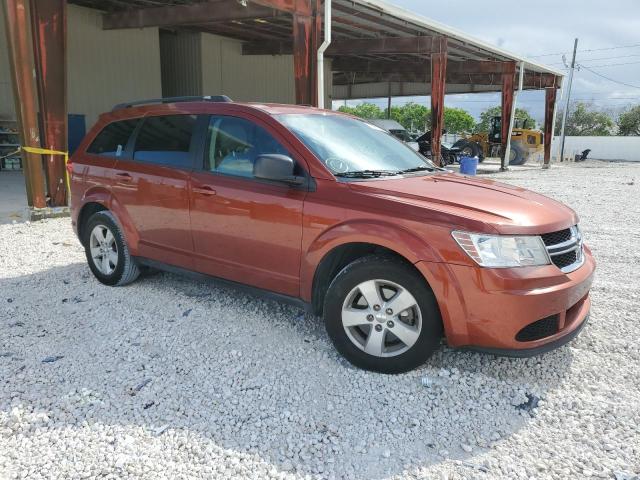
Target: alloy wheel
104	249
381	318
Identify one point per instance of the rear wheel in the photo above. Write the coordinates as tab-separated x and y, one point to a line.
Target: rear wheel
382	316
467	148
517	155
107	252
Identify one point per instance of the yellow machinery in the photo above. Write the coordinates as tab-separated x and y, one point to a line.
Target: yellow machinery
524	142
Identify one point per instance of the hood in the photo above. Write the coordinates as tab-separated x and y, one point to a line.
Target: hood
504	208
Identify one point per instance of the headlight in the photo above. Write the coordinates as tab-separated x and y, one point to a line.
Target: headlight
500	251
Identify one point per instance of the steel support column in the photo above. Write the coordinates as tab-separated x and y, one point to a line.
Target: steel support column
306	37
438	87
549	118
507	107
49	31
25	95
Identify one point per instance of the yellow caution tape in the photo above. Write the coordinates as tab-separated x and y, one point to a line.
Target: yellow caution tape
45	151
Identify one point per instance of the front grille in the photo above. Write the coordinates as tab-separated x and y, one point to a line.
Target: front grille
540	329
565	248
566	259
554	238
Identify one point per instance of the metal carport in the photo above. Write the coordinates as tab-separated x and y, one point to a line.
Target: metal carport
377	50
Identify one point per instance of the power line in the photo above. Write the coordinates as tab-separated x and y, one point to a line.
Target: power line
610	79
589	50
613	64
600	58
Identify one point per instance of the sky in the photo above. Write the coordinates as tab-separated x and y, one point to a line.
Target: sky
540	31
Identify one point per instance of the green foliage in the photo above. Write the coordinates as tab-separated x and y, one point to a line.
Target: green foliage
485	118
457	120
584	120
364	110
411	116
629	122
415	117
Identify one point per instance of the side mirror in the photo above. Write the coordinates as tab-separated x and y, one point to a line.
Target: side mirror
277	168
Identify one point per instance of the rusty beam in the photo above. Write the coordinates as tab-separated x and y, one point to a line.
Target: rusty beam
438	88
185	15
549	114
468	67
49	31
508	81
305	50
17	26
352	46
530	83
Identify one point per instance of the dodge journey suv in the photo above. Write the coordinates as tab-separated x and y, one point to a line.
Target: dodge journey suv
335	214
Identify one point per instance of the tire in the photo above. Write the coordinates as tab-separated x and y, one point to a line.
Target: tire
468	149
119	268
518	155
387	280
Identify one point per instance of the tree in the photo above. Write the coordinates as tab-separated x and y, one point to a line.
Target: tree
364	110
585	120
629	122
457	120
486	116
411	116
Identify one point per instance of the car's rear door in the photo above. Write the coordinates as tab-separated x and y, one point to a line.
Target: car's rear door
245	229
152	186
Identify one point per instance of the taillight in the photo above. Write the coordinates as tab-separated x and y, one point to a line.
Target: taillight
69	167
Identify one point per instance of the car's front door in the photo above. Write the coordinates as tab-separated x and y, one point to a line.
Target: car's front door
152	185
244	229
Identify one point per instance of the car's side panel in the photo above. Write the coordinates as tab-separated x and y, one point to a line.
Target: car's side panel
156	201
248	231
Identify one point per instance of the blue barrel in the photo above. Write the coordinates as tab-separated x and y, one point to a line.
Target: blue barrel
468	165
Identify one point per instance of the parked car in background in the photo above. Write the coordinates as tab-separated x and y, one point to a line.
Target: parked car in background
334	214
395	129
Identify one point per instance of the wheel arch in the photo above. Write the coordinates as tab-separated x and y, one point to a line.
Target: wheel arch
341	245
99	199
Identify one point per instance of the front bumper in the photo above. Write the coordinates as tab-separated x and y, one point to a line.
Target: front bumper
484	309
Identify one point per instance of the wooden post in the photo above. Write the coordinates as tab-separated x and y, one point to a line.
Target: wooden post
49	31
24	92
507	107
549	117
438	88
306	37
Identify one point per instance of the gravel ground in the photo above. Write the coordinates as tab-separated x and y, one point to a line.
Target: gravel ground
171	378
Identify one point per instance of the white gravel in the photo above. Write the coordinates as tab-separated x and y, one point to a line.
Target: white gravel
170	378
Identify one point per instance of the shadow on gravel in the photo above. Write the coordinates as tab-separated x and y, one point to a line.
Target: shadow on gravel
184	358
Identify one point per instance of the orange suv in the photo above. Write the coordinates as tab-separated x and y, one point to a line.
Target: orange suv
334	214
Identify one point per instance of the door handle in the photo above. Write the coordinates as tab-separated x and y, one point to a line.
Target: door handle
204	190
124	177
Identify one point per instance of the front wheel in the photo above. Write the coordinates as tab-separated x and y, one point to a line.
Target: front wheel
382	316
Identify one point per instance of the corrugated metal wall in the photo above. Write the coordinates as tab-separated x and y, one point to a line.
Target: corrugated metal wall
7	109
245	78
180	54
106	67
224	70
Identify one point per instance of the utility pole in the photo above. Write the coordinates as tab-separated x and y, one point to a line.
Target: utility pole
566	108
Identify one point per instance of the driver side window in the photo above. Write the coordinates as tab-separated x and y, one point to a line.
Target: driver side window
234	144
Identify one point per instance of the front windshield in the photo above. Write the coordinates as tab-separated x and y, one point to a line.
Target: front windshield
348	145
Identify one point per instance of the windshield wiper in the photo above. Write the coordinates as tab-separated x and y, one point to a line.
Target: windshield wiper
418	169
366	174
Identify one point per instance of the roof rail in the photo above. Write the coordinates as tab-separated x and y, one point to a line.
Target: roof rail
206	98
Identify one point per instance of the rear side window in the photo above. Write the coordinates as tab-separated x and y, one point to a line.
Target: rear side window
113	138
166	140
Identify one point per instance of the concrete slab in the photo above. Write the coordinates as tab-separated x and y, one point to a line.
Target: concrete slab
13	197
